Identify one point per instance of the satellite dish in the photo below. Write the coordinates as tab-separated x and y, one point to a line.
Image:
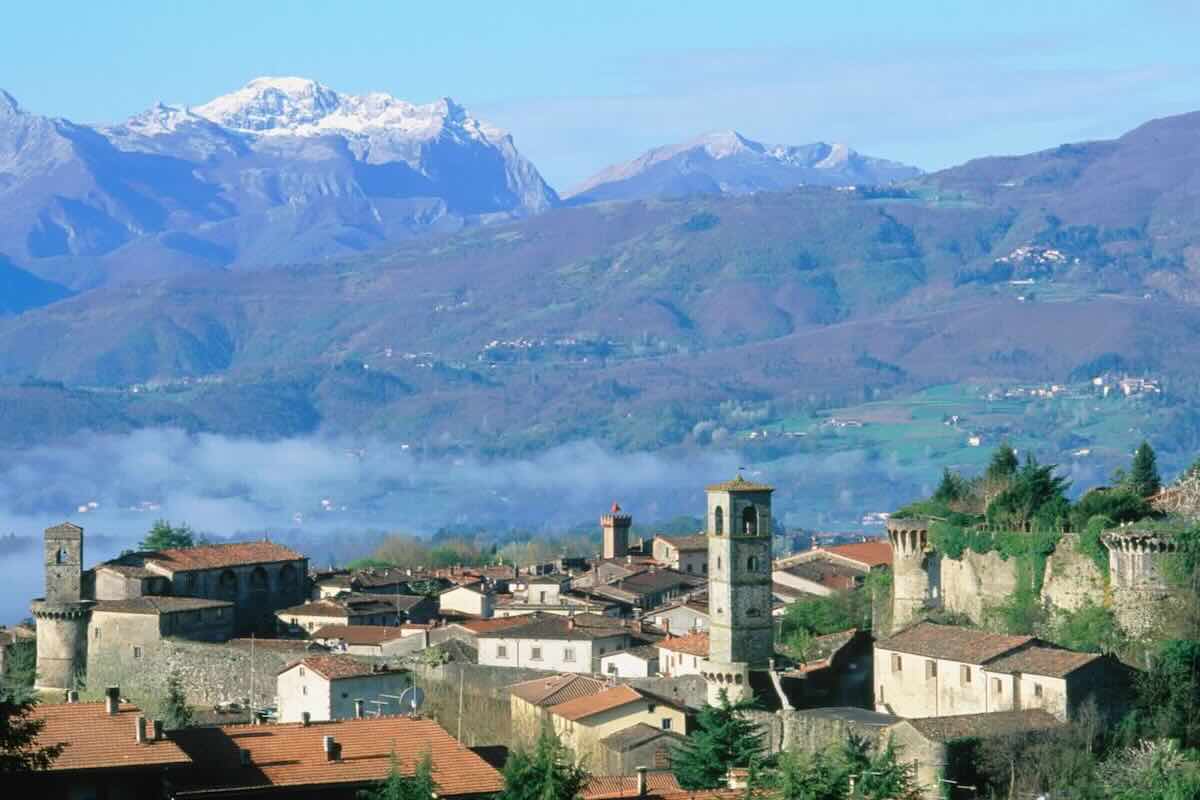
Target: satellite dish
412	698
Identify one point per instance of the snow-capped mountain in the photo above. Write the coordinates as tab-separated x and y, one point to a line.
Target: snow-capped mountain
280	170
729	163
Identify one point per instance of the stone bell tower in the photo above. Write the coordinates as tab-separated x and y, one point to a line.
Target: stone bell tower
614	529
63	614
741	631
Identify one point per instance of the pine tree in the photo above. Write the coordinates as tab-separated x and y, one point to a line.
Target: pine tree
164	535
398	786
19	750
952	487
1004	463
177	712
725	738
1143	479
548	772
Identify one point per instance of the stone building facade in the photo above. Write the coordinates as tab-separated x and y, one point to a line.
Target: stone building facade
1139	585
64	613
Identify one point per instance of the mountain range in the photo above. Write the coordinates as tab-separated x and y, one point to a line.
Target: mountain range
640	322
287	170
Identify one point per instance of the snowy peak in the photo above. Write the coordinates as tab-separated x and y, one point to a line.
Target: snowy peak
304	107
726	162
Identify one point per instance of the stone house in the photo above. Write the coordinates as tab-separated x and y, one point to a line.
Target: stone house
931	670
529	700
373	580
373	640
124	631
687	554
584	723
944	747
689	613
559	644
543	590
683	655
641	661
112	750
640	745
337	687
471	599
649	588
324	760
304	619
258	578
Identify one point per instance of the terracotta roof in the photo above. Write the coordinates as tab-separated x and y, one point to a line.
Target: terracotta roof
584	707
646	652
637	735
359	634
580	627
154	604
475	586
96	739
876	553
826	572
626	785
739	484
293	755
694	644
213	556
995	723
481	627
1049	661
953	643
549	579
346	606
333	667
695	542
557	689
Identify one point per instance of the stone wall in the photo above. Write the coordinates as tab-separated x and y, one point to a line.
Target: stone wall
974	582
1072	579
817	729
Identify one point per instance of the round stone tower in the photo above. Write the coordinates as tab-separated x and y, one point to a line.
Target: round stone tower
63	614
741	631
910	570
1139	587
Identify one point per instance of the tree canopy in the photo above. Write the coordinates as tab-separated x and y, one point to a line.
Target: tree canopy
725	738
548	772
1003	464
163	535
19	750
398	786
1143	479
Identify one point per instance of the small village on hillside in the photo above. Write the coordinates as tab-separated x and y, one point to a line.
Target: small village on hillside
998	622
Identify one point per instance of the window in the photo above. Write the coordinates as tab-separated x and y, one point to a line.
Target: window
542	598
964	675
137	651
930	669
704	568
750	521
666	723
689	568
295	621
569	654
896	665
752	612
881	693
501	651
752	564
345	695
611	669
602	650
535	654
302	672
1037	690
719	521
304	690
96	632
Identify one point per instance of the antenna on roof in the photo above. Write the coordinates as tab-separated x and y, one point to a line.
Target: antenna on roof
413	697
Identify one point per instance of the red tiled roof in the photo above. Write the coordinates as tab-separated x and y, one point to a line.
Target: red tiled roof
333	667
694	644
484	626
953	643
1048	661
995	723
626	785
556	689
96	739
873	554
212	556
154	604
686	543
583	707
293	755
359	634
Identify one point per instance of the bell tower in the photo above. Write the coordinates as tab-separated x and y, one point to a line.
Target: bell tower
63	614
614	530
741	632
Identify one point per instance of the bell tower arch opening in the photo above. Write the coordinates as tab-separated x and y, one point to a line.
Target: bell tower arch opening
750	520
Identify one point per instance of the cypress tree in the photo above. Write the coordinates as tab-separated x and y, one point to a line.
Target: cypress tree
176	711
1004	463
1143	479
549	772
724	739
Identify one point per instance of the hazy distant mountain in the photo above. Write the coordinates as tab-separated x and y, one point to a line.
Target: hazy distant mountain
21	290
729	163
281	170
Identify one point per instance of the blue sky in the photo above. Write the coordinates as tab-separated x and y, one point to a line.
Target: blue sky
583	84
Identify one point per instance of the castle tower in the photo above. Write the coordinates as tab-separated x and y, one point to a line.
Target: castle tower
741	631
614	528
1139	586
63	614
910	574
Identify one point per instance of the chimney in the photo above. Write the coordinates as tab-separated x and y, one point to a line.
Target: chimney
358	709
157	725
641	782
112	699
139	730
72	696
666	623
305	718
571	622
331	748
244	757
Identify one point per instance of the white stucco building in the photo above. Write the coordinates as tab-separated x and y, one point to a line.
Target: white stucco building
331	687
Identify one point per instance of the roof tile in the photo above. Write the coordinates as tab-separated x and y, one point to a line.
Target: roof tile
95	739
213	556
694	644
584	707
953	643
557	689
